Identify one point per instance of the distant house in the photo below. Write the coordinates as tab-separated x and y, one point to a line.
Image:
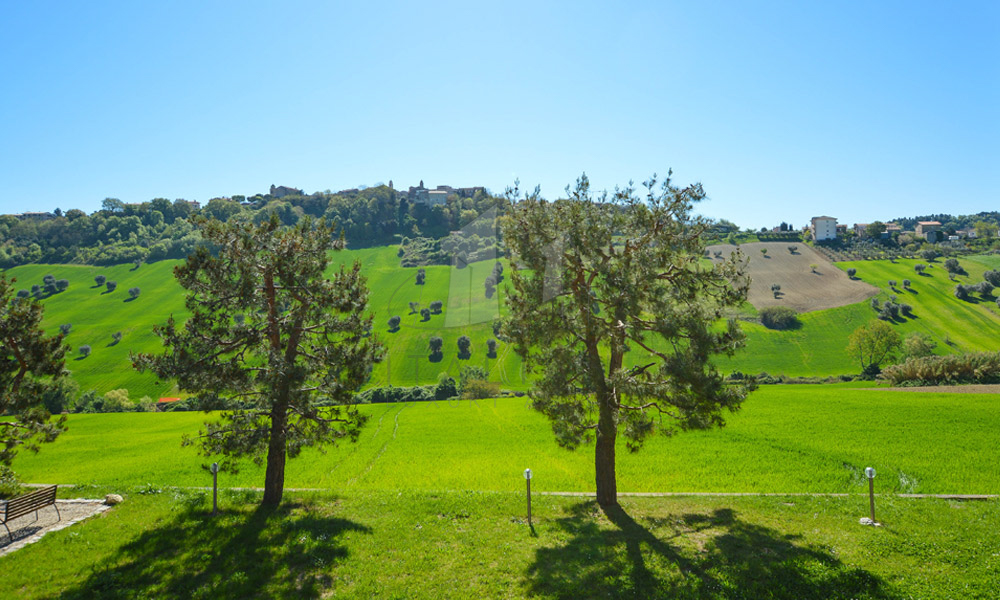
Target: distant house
439	195
162	403
929	230
282	191
823	228
35	216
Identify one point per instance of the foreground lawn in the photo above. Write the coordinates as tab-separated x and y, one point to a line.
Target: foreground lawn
801	438
468	545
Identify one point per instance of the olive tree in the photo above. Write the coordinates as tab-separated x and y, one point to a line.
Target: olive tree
302	350
611	307
872	344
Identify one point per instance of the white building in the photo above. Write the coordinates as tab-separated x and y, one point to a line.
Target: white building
823	228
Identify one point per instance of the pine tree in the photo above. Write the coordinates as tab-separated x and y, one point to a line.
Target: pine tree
296	357
31	364
612	307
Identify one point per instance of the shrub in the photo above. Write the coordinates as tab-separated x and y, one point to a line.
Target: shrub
394	323
396	394
84	351
134	292
10	483
111	285
436	307
778	317
65	327
475	389
464	347
918	344
445	388
425	314
850	272
980	367
99	280
920	268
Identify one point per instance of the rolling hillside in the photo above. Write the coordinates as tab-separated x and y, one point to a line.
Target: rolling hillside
816	348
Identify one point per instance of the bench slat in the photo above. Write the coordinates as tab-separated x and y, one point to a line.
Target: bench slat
29	503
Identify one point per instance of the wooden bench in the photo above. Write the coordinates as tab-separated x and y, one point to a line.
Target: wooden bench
28	503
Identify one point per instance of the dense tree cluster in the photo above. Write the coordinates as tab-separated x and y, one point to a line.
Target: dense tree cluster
161	229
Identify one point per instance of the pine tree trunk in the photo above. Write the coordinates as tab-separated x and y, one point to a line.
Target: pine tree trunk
604	456
274	477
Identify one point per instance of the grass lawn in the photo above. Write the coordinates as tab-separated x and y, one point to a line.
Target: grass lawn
478	545
790	438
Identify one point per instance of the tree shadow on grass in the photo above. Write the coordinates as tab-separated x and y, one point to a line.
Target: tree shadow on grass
715	555
263	552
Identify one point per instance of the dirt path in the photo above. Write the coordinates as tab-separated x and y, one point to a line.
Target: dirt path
992	388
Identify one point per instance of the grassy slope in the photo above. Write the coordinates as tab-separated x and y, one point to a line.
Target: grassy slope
817	348
95	315
786	439
969	326
462	545
467	312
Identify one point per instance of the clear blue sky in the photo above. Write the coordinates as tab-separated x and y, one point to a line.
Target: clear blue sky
782	110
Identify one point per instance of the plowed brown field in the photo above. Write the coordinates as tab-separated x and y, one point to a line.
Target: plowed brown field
801	287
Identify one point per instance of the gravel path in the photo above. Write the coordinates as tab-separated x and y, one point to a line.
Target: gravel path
26	530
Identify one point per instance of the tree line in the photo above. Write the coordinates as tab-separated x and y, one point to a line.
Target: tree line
162	229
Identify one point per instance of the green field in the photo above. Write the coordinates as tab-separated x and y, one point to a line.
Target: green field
815	349
793	438
478	545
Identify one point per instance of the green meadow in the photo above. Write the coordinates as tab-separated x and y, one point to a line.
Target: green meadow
790	438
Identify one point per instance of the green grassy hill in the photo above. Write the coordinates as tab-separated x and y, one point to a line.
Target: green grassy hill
817	348
95	314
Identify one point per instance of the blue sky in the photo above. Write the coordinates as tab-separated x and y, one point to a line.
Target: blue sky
782	110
